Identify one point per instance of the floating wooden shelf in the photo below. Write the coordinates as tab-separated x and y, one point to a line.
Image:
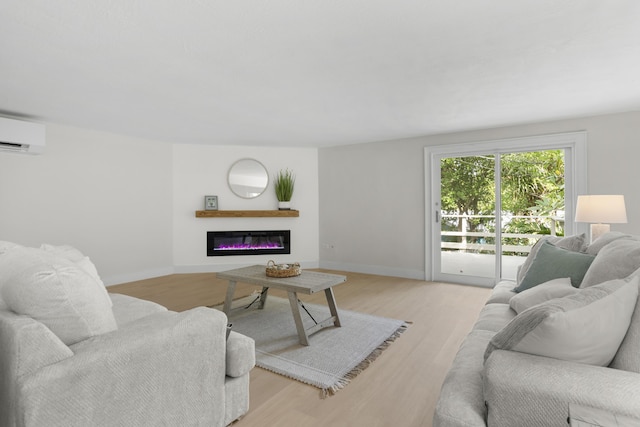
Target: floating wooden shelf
247	214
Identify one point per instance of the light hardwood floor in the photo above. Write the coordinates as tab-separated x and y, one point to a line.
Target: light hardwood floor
400	388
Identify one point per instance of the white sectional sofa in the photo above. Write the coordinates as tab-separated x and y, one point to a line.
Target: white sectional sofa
569	337
74	355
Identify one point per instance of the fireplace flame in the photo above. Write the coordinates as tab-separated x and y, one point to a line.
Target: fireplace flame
249	247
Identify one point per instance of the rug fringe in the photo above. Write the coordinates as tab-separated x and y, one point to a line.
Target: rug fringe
344	381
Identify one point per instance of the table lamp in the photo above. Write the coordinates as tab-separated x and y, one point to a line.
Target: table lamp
600	211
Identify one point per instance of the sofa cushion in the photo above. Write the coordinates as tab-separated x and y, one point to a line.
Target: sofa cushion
56	292
552	262
586	327
494	317
616	260
627	357
575	243
502	292
127	309
555	288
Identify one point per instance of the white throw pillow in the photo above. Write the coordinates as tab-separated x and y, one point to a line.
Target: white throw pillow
82	261
616	260
556	288
73	254
56	292
594	247
585	327
6	246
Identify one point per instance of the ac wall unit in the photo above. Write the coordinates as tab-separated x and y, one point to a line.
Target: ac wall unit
17	136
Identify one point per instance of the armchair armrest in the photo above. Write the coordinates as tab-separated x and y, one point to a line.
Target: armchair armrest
27	345
527	390
241	354
164	369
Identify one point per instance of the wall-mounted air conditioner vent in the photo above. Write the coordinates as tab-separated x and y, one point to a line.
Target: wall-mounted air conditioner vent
17	136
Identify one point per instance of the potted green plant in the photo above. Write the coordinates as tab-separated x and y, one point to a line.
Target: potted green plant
283	184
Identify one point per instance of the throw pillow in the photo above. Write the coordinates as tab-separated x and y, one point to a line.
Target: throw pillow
616	260
594	247
74	255
556	288
573	243
56	292
82	261
627	356
552	262
586	327
6	246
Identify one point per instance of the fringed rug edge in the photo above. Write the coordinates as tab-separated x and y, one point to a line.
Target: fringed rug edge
349	376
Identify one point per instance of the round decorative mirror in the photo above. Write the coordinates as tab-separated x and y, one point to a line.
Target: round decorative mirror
248	178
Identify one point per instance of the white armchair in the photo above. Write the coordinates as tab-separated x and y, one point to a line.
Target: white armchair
150	367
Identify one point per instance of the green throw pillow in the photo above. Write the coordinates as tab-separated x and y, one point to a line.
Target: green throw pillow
552	262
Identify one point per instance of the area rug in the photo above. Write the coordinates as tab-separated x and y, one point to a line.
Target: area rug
335	355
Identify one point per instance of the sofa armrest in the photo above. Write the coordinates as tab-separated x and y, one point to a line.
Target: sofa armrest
241	354
164	369
527	390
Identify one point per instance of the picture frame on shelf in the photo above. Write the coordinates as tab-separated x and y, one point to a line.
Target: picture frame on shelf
210	203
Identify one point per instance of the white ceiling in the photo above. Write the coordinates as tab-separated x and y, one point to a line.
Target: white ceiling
315	72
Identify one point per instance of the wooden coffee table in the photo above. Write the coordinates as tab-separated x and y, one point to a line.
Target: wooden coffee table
308	282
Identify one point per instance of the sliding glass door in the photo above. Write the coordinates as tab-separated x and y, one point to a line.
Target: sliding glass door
491	203
467	214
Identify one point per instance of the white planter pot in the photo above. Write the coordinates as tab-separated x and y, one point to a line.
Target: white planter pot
284	206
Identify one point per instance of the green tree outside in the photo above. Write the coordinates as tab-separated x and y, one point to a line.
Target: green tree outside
532	185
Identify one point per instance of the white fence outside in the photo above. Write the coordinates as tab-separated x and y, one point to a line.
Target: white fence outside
478	259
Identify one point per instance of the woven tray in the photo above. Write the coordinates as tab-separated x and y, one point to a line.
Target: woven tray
283	270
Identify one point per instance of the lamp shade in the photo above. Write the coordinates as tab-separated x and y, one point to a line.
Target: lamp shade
601	209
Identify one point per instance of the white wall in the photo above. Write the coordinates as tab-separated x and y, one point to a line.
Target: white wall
130	203
201	170
108	195
372	216
372	208
122	201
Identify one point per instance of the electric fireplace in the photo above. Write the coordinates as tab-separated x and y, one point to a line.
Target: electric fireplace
265	242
